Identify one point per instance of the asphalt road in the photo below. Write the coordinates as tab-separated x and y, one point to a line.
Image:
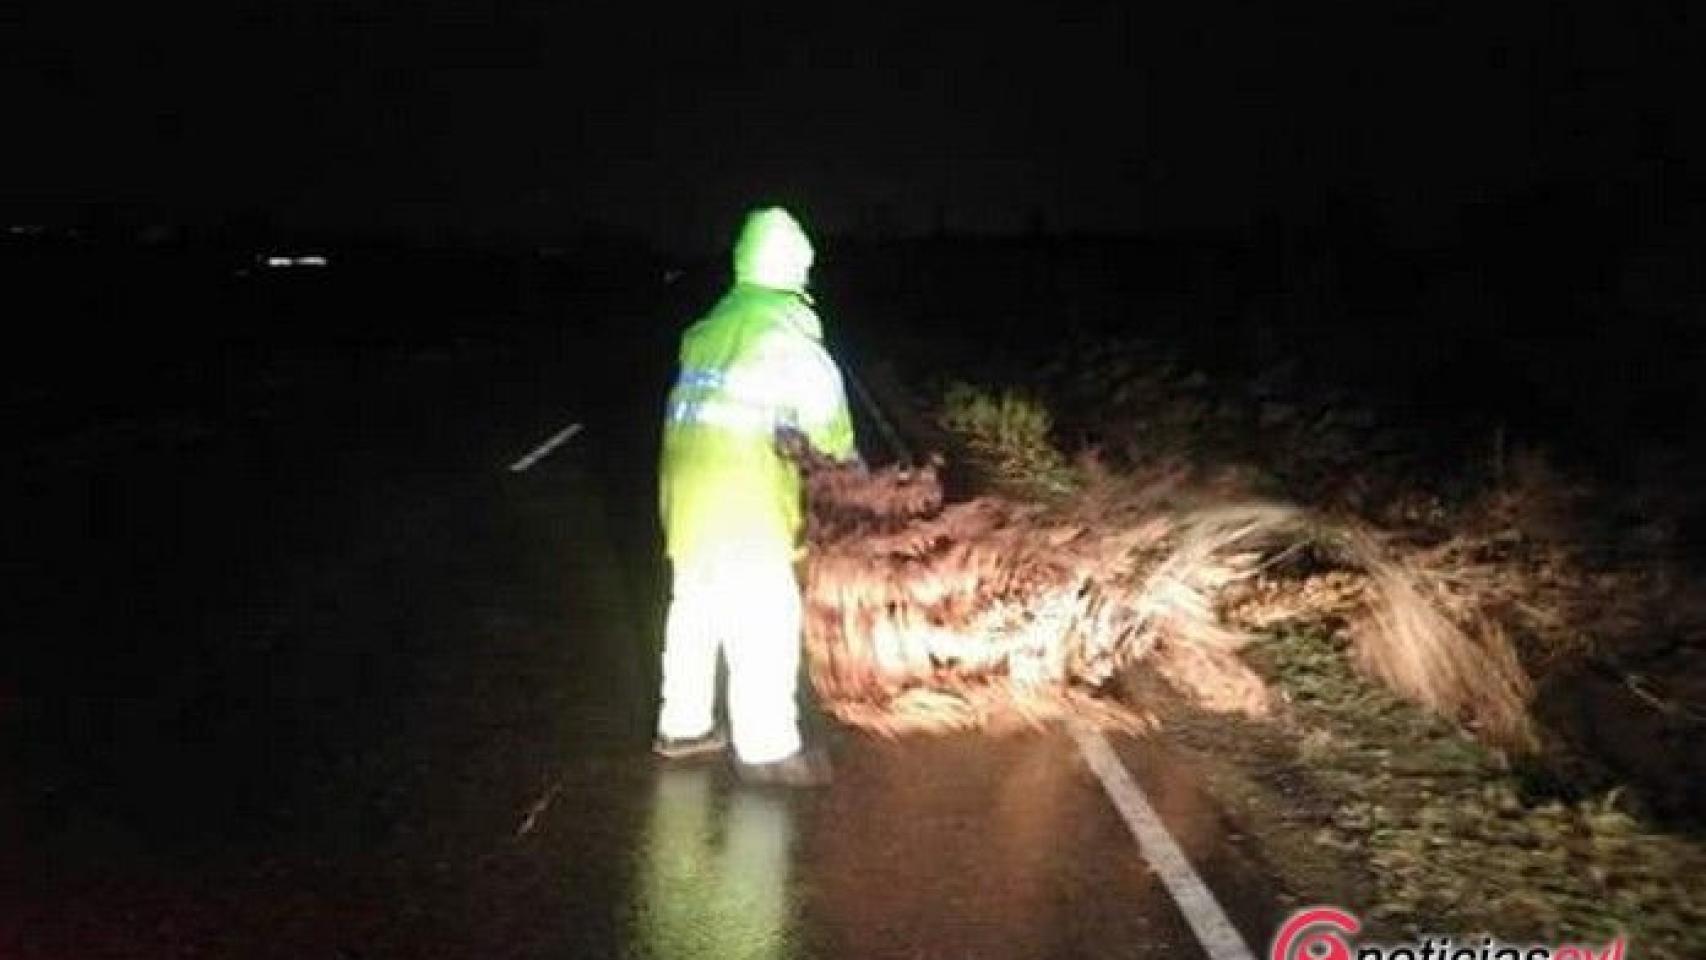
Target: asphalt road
330	681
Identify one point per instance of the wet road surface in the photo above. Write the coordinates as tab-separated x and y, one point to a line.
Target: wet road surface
336	683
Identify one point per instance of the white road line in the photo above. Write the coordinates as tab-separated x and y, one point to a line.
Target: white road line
1218	937
540	452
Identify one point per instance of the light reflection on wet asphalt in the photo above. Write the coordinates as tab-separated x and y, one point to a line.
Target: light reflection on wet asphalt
715	871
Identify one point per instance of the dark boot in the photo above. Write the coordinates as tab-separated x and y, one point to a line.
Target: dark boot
807	768
685	748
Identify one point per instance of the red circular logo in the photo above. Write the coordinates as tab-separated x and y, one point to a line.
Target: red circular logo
1297	941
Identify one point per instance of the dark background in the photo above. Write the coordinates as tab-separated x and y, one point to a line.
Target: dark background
1480	215
479	120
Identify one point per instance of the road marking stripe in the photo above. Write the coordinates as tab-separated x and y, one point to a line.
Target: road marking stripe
544	449
1214	931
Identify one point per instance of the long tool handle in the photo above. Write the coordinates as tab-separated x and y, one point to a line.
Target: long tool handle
891	436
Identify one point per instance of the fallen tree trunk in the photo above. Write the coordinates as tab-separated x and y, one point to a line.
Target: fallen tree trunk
923	614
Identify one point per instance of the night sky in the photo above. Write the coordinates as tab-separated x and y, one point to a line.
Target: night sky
501	117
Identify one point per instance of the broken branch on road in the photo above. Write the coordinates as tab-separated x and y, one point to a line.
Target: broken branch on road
928	615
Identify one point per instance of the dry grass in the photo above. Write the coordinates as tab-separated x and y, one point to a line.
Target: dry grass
1410	643
1455	837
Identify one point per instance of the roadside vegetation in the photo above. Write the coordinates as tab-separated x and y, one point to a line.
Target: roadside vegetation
1585	824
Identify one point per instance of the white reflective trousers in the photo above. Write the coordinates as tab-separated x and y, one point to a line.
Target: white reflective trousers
747	605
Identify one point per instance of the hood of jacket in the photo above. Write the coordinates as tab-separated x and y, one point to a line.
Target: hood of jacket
773	251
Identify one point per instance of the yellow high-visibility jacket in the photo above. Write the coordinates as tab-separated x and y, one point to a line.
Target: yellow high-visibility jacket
754	365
